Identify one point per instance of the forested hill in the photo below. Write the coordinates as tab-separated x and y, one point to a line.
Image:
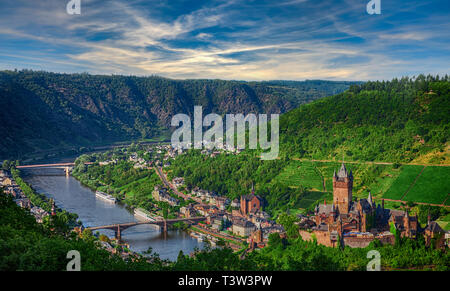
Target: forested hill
406	120
40	110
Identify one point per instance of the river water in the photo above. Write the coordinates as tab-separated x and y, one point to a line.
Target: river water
70	195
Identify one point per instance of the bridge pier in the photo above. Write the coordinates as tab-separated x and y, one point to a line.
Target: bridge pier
165	227
117	233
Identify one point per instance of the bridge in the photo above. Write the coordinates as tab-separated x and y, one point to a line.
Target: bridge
118	228
66	166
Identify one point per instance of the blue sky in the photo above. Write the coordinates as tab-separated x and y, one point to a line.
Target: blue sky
241	40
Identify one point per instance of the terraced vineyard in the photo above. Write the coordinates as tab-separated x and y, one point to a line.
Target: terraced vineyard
423	184
433	186
403	182
304	174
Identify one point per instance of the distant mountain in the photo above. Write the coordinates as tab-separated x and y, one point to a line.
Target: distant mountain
406	120
41	110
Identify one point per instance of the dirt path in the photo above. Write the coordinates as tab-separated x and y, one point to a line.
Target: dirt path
367	163
404	202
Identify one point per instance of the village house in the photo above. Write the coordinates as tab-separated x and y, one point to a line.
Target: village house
206	210
188	211
38	213
217	223
222	202
104	163
178	181
235	203
7	181
3	174
24	203
434	232
242	227
256	239
161	195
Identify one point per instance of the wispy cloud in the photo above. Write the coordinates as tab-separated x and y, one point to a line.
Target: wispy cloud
246	40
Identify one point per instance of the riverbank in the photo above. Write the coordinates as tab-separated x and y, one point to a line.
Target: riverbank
48	205
132	187
70	194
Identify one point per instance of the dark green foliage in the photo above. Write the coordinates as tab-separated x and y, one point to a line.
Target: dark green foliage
394	121
434	212
26	245
233	176
41	111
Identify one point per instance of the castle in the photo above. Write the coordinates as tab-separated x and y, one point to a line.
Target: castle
354	222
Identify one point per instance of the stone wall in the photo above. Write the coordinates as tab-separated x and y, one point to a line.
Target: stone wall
322	237
357	242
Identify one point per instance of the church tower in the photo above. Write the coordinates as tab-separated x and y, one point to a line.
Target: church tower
342	189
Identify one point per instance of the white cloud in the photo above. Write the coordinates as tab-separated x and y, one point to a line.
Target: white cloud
263	48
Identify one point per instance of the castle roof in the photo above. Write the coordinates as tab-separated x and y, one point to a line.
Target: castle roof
325	208
343	173
434	227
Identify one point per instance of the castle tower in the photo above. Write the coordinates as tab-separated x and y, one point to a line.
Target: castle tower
342	189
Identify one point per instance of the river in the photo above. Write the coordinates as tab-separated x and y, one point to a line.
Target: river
70	195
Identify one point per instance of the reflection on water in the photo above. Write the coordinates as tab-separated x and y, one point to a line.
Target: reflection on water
69	194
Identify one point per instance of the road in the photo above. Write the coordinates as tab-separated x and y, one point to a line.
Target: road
163	178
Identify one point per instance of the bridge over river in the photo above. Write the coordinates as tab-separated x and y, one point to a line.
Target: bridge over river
118	228
66	166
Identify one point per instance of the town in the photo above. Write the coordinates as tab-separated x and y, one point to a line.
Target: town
345	221
241	223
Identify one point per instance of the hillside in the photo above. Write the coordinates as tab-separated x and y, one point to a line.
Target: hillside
402	124
405	120
40	110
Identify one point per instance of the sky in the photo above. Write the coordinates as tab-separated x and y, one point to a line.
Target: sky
232	40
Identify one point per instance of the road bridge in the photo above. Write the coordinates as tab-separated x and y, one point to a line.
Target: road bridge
118	228
66	166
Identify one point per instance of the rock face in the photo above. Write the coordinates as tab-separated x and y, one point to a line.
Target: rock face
40	110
